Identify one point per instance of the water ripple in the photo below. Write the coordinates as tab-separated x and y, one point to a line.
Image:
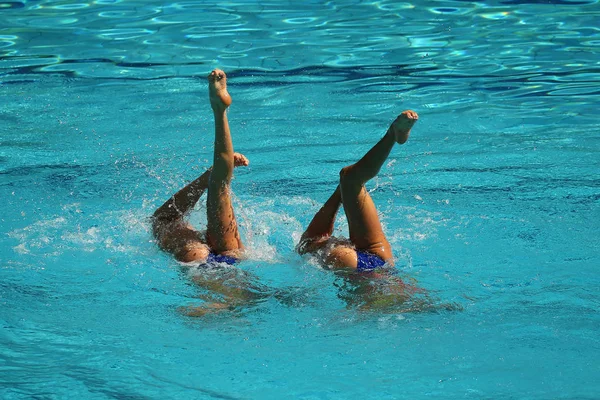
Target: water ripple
465	40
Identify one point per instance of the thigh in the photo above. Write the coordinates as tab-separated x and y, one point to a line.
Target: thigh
365	228
222	231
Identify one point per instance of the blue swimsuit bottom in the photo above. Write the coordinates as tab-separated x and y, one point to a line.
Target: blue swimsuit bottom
220	259
367	262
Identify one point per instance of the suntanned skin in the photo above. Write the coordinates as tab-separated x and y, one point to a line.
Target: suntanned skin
365	229
222	234
171	230
173	233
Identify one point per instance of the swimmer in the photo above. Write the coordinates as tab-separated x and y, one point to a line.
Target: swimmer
360	261
221	243
368	248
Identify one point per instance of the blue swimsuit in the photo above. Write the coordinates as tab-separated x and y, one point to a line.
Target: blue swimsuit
220	259
367	262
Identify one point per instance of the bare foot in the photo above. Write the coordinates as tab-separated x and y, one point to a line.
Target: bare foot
400	128
217	90
240	160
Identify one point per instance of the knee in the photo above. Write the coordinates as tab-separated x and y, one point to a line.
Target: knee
160	226
348	179
345	174
311	244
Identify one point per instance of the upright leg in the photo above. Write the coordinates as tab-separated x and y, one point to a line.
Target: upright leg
363	222
222	231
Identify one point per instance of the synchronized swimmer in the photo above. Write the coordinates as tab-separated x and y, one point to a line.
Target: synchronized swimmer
221	242
366	251
368	248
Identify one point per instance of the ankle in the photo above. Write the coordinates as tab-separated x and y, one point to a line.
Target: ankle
390	134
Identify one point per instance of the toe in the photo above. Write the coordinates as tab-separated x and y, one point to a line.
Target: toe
411	114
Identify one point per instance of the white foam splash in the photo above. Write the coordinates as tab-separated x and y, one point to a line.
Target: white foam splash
117	231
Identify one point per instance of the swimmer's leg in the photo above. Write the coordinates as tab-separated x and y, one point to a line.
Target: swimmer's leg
321	226
183	201
222	231
172	232
169	227
317	235
363	222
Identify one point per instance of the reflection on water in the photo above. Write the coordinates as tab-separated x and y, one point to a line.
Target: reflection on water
500	46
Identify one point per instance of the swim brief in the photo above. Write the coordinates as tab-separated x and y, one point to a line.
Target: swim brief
220	259
367	262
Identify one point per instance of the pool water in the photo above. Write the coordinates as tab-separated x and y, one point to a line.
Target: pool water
493	205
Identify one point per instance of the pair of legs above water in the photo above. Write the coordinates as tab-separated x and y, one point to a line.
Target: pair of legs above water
173	233
368	247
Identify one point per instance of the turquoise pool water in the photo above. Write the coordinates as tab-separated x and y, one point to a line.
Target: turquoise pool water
493	204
